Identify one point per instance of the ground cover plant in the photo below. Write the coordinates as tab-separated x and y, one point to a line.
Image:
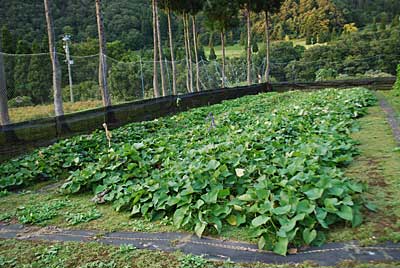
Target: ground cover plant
40	212
271	162
74	219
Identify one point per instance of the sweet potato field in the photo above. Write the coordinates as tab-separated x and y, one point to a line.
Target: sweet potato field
271	162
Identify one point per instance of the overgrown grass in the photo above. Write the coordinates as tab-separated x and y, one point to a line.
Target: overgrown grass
76	207
378	166
393	98
17	253
43	111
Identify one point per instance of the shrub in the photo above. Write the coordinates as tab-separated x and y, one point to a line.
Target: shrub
255	47
325	74
20	101
212	56
88	90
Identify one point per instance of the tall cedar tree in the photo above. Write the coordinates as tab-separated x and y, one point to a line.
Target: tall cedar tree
156	90
160	51
183	7
102	57
39	75
186	23
246	6
4	116
224	13
268	8
194	7
169	7
21	69
57	93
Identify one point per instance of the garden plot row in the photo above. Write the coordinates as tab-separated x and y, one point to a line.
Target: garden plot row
271	162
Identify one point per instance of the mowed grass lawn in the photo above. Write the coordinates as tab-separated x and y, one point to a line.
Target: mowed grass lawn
237	50
377	165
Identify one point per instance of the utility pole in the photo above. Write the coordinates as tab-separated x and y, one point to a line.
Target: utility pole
67	39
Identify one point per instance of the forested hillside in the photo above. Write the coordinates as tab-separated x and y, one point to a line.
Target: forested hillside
125	20
366	11
130	21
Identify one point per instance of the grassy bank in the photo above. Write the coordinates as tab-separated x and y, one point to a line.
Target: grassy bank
43	111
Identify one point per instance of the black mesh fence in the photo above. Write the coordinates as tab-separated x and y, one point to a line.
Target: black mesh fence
19	138
30	94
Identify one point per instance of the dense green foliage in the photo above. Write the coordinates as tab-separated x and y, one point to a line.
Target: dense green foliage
321	20
272	162
359	54
363	12
130	21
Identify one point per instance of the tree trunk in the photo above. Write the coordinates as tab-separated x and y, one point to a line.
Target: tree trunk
211	40
4	116
171	46
190	54
223	57
58	104
196	53
268	68
155	54
186	53
248	44
160	52
102	57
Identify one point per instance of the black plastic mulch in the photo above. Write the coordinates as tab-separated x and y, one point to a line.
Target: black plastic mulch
329	254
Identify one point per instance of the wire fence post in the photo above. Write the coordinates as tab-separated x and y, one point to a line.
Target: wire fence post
169	80
141	75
